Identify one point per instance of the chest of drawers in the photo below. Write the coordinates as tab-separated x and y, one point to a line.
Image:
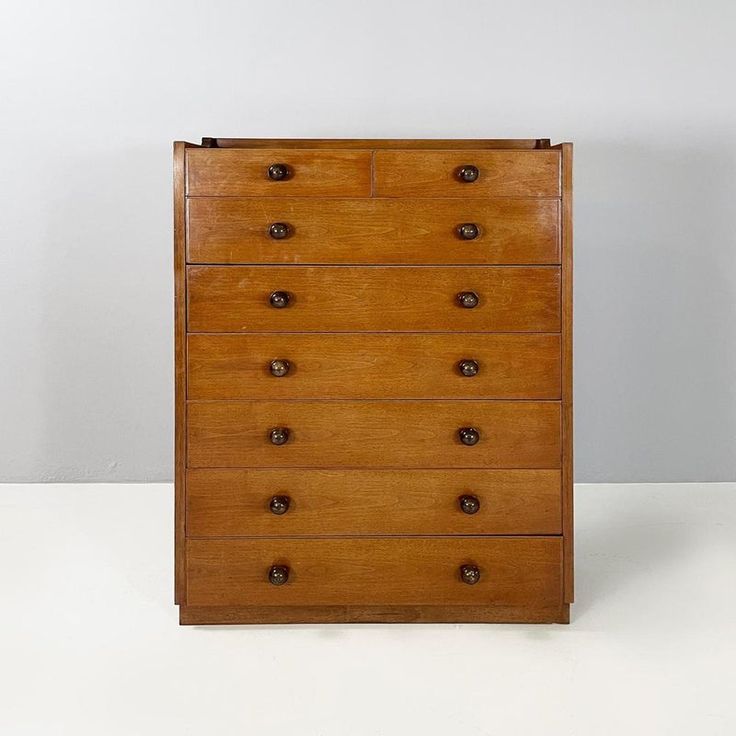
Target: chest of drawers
373	381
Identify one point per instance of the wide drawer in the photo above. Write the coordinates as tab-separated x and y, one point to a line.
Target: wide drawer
363	572
373	298
438	173
381	231
244	172
271	503
419	434
367	366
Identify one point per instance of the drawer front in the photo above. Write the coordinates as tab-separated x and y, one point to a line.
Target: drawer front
368	366
438	173
272	503
373	298
232	172
415	571
382	231
418	434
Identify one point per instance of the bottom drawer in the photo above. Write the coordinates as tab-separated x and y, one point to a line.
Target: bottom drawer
512	572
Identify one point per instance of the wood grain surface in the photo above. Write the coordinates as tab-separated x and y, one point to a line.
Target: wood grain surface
380	231
373	298
374	366
412	434
568	479
233	503
180	371
241	172
373	400
425	614
381	143
521	571
413	173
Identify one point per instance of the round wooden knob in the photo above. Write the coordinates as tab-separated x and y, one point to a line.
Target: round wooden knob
279	505
279	368
278	172
469	504
468	173
468	367
278	574
278	230
279	435
469	574
279	299
468	299
468	231
468	435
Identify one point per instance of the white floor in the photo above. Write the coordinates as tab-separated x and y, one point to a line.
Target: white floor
89	641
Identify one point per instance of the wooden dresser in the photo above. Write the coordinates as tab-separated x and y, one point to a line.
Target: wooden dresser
373	380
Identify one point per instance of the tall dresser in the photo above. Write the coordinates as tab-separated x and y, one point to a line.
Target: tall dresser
373	381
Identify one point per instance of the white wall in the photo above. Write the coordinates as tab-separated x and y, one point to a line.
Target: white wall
93	93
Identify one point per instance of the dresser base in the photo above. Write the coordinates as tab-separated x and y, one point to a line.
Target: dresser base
214	615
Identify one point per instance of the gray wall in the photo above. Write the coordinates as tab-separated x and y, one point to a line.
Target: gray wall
94	93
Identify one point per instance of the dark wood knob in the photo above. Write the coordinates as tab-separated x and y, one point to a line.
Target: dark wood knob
279	299
278	574
468	435
279	230
278	172
468	231
279	505
468	367
469	504
279	435
279	368
468	173
469	574
468	299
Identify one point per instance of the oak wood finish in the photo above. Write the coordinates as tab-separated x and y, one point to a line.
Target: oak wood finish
373	298
567	392
389	571
235	503
412	434
214	615
413	173
372	263
373	366
244	173
377	144
373	231
180	373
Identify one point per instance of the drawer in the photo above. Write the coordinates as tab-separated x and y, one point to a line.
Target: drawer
373	298
363	572
233	172
437	173
418	434
272	503
368	366
381	231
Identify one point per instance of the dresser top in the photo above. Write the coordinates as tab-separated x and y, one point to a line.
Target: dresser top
374	143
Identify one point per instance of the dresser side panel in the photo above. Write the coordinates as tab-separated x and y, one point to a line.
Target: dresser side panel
180	363
567	382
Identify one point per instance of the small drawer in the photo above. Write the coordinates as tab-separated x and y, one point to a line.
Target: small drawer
360	434
279	230
263	172
467	173
273	503
470	571
373	366
373	298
